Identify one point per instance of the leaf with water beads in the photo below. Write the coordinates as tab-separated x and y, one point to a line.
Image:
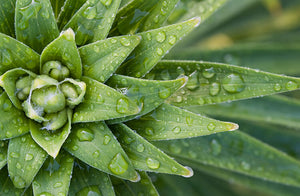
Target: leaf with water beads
35	23
13	122
169	122
237	152
68	55
276	109
211	83
6	185
94	144
93	20
25	158
154	45
51	142
147	94
101	59
143	187
3	154
145	156
87	180
55	175
15	54
7	16
102	103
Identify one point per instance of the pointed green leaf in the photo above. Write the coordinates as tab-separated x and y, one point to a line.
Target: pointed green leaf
15	54
8	81
24	160
211	83
56	6
13	122
102	103
3	153
169	122
35	23
51	142
279	110
6	185
94	144
67	55
145	156
7	16
154	45
148	94
69	8
87	180
55	175
93	20
102	58
143	187
238	152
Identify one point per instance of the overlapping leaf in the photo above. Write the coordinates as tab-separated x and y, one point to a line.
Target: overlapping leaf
3	154
7	15
25	158
35	23
57	6
145	156
211	83
169	122
101	59
94	144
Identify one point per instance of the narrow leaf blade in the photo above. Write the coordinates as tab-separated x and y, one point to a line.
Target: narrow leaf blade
56	6
94	144
169	122
7	16
145	156
3	154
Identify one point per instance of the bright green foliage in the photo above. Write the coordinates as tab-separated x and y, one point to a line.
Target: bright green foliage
91	102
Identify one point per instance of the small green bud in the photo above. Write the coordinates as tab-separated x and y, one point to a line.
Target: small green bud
69	90
49	98
56	120
55	70
24	82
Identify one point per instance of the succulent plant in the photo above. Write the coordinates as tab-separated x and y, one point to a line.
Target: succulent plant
88	106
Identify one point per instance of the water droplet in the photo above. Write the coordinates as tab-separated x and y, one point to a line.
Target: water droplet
152	163
96	154
201	101
90	13
127	139
193	81
8	134
161	37
14	155
7	105
28	157
172	39
233	83
216	147
176	130
85	134
118	165
211	126
159	51
277	87
208	73
214	88
291	85
75	147
189	120
18	181
18	165
179	99
175	148
245	165
125	42
148	35
140	148
6	57
122	106
45	194
106	2
106	139
164	93
149	131
174	169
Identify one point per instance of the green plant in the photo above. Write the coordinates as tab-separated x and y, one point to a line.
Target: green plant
89	110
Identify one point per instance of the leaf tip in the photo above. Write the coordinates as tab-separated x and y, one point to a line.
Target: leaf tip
196	21
189	173
69	34
233	127
136	178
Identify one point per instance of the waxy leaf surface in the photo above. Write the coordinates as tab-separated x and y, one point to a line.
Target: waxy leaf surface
3	154
7	16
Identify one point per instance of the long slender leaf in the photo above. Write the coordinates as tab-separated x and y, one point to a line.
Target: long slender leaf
102	103
37	15
56	6
88	180
94	144
154	45
7	15
147	94
169	122
3	154
239	152
145	156
97	56
25	158
54	177
211	83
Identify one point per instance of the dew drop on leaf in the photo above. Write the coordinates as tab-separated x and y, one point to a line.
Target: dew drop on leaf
233	83
106	139
28	157
172	39
193	82
164	93
214	88
161	37
277	87
149	131
57	185
291	85
18	181
90	13
159	51
245	165
96	154
6	57
125	42
45	194
152	163
211	126
118	165
14	155
208	73
176	130
140	148
106	2
122	106
85	134
216	147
